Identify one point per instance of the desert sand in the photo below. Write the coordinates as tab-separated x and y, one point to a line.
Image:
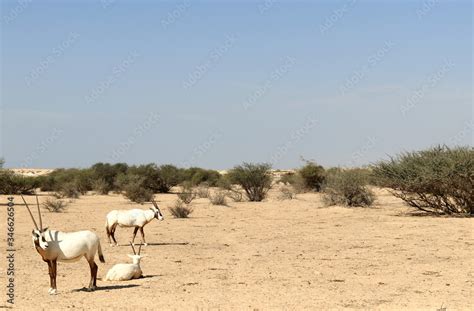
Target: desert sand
293	254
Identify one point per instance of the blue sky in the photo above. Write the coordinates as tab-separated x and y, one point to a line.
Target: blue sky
215	83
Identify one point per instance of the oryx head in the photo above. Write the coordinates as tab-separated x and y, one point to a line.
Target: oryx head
156	209
38	233
136	257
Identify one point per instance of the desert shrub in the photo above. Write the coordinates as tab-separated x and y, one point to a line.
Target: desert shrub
197	175
438	180
180	209
186	195
108	173
347	187
235	195
100	186
136	193
255	179
202	191
218	198
69	190
54	205
56	180
11	183
296	181
286	193
313	176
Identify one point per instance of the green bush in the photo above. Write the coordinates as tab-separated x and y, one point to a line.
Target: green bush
197	176
69	190
347	187
255	179
137	193
11	183
313	176
108	173
100	186
438	180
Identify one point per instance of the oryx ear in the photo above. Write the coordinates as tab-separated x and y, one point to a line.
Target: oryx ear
131	256
33	232
45	229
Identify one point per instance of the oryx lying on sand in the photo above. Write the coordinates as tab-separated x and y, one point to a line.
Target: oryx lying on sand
54	246
137	218
126	271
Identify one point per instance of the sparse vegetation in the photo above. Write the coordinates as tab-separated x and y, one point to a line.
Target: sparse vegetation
439	180
135	192
186	195
313	176
348	188
218	198
54	205
202	191
180	209
255	179
11	183
286	193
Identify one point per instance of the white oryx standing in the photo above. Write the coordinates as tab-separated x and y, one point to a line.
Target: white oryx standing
137	218
54	246
127	271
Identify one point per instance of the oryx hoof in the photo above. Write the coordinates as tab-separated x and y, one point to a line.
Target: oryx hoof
52	291
91	289
145	244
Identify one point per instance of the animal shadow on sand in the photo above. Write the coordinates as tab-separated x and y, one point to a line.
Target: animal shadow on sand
159	244
108	287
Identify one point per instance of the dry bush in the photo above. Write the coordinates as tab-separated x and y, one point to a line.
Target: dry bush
180	209
54	205
202	191
187	196
286	193
218	198
69	190
347	188
235	195
100	186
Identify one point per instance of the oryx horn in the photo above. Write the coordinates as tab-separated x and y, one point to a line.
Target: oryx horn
39	213
34	221
133	248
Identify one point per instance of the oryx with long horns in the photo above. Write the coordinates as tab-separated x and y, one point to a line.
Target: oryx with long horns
54	246
137	218
127	271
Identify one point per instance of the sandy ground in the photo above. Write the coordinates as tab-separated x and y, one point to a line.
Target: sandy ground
259	256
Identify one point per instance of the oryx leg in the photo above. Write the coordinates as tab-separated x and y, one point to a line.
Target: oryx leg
143	236
94	268
52	277
112	233
134	235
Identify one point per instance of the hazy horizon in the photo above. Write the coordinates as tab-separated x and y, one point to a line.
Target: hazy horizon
344	83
